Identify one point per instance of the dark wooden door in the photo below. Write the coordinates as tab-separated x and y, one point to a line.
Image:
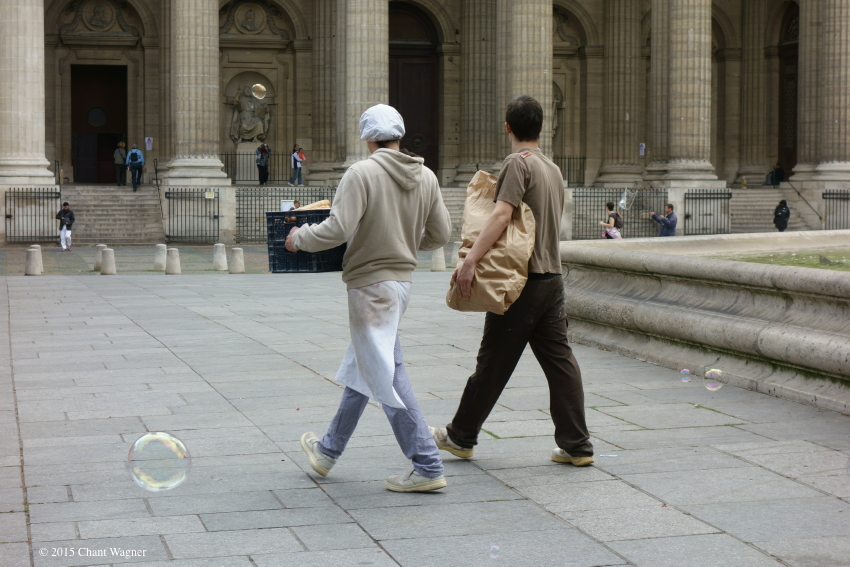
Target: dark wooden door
85	158
788	88
98	119
414	93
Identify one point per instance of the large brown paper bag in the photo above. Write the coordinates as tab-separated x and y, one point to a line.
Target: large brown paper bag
502	272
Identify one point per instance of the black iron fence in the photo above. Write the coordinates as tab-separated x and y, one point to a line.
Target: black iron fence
242	167
253	203
707	211
192	215
837	209
31	215
589	209
572	169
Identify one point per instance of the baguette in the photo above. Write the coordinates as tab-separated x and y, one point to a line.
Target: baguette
326	204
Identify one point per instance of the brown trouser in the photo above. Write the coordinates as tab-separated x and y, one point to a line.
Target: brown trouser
536	318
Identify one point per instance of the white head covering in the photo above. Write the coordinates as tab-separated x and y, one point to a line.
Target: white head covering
381	123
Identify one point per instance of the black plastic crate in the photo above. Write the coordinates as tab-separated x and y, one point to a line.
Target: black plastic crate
283	261
278	228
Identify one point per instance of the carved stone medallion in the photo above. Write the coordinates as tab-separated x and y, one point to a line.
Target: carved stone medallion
250	18
98	16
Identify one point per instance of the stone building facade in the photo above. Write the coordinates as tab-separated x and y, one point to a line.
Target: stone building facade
664	92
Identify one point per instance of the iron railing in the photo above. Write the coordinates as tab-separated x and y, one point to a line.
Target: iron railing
158	190
589	209
192	215
31	215
837	205
242	167
253	203
572	169
707	211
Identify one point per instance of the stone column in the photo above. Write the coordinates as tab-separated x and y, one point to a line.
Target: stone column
526	56
195	103
658	76
479	126
807	92
754	161
689	127
324	88
620	163
22	160
834	89
367	59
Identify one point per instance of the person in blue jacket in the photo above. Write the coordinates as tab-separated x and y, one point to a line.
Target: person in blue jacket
668	222
136	164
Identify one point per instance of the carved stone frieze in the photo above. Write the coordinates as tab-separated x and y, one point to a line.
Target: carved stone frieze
98	18
252	17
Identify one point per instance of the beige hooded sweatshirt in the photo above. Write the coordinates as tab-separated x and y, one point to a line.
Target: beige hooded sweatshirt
386	207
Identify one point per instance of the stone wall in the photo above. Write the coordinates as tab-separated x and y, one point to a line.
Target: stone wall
776	329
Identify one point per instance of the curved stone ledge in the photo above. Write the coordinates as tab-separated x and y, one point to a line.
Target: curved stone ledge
776	328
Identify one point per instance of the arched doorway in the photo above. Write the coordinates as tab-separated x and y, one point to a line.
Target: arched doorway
788	55
415	79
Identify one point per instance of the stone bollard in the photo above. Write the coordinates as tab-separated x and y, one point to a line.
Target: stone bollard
172	262
219	258
98	256
438	260
107	262
32	263
40	259
159	258
455	253
237	261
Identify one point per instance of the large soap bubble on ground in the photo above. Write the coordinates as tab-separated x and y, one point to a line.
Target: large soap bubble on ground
158	461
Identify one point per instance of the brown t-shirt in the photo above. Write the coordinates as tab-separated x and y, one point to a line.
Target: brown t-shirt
530	177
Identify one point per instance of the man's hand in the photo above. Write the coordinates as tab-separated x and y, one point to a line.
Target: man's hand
463	276
289	244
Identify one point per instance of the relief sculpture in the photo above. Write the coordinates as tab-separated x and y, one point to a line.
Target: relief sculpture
251	118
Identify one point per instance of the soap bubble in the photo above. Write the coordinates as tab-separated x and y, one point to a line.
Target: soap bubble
158	461
259	91
713	379
686	375
494	551
627	199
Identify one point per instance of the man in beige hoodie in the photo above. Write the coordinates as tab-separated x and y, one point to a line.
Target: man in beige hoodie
386	208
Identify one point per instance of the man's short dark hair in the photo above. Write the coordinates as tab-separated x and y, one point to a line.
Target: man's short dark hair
65	205
669	205
525	117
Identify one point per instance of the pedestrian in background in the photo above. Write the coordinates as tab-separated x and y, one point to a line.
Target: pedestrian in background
295	162
613	224
781	214
120	157
778	175
263	153
668	222
136	164
66	222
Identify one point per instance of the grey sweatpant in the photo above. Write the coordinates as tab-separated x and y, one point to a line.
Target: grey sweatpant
409	425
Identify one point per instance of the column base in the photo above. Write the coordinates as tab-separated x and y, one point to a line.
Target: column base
619	176
325	174
195	172
655	171
833	171
22	171
803	172
690	170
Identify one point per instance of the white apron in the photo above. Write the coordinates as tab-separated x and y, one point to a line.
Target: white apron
374	313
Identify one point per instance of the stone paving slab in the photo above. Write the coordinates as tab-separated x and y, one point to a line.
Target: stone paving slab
239	366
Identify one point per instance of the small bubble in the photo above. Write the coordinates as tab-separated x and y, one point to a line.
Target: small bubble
686	375
494	551
713	380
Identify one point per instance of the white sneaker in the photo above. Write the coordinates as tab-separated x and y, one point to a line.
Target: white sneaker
412	482
320	462
441	438
560	456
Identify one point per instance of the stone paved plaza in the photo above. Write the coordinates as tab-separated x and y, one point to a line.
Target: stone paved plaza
239	367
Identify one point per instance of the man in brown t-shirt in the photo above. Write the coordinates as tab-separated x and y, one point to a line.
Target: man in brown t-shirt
537	318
